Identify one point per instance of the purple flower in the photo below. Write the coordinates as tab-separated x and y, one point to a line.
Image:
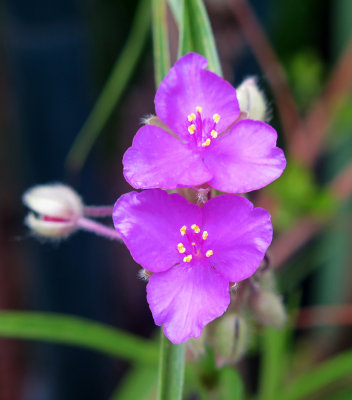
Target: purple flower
193	253
199	140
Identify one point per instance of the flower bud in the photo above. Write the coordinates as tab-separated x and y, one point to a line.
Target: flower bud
56	209
268	308
251	100
230	339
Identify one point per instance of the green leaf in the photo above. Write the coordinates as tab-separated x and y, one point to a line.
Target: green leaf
56	328
137	385
196	33
160	41
230	385
171	369
311	381
113	89
272	363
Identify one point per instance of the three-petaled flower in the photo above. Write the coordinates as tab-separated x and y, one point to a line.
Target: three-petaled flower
194	253
201	138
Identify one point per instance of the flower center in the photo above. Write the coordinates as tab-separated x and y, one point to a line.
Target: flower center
193	244
203	130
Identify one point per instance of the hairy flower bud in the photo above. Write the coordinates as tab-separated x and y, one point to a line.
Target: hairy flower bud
55	210
268	308
252	100
230	339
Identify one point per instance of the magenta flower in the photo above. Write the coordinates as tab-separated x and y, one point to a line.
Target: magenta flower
193	253
200	141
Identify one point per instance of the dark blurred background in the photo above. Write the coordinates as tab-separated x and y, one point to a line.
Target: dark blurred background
55	58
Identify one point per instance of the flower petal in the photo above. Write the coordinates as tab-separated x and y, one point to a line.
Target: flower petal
159	160
186	298
240	239
187	86
149	223
246	158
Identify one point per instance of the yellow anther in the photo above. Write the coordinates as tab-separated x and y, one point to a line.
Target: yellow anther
206	143
216	118
199	109
214	134
195	228
191	129
187	258
191	117
193	243
183	230
181	248
209	253
204	235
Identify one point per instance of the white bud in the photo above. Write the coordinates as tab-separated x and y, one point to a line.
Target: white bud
252	100
56	209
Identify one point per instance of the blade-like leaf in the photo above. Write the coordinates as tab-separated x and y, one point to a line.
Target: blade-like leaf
160	41
137	385
196	33
113	89
336	368
56	328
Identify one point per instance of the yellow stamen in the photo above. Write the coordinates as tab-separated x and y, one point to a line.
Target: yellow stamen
191	117
193	243
214	134
216	118
187	258
206	143
191	129
199	109
209	253
195	228
181	248
204	235
183	230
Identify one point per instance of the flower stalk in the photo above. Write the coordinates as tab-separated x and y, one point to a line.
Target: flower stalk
171	369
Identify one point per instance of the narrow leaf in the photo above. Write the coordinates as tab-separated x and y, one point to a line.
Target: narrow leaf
137	385
160	41
56	328
113	89
330	371
196	33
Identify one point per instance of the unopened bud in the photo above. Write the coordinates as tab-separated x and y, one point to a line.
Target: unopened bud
251	100
230	339
55	210
268	308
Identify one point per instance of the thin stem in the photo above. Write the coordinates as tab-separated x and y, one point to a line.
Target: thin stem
171	369
100	229
98	211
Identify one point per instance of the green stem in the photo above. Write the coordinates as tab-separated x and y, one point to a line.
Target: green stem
113	89
171	369
160	40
